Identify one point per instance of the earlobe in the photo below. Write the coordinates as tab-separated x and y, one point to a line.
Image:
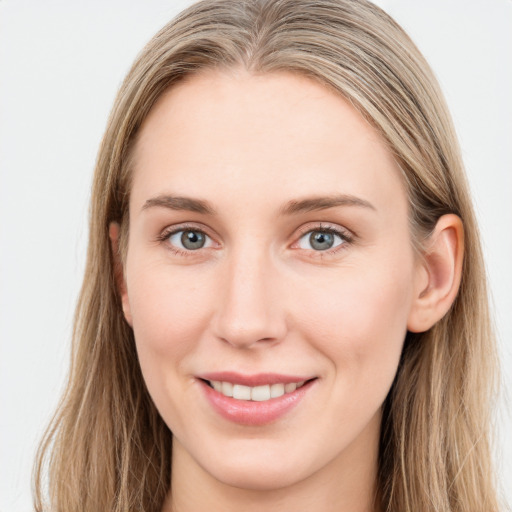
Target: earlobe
440	273
113	232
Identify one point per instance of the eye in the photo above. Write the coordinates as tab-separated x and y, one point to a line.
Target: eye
189	239
321	239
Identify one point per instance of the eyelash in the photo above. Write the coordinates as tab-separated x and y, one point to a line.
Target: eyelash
345	236
167	233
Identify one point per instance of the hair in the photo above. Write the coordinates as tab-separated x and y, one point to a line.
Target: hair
107	447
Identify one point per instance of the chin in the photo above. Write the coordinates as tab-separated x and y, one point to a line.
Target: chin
258	478
261	466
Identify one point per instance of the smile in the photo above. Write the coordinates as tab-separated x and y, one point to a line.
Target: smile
254	400
255	393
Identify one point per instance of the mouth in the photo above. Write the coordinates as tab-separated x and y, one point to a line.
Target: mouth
254	400
260	393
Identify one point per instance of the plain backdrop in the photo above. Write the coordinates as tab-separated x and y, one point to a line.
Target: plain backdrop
61	63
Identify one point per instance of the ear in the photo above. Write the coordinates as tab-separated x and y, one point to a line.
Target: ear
438	275
113	232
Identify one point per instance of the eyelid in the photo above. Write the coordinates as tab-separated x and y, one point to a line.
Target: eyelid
327	227
171	230
185	226
346	235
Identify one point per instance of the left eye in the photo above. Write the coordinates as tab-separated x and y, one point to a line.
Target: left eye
320	240
189	240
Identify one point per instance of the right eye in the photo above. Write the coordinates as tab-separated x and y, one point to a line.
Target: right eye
189	239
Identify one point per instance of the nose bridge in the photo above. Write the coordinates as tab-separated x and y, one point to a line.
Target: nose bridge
249	308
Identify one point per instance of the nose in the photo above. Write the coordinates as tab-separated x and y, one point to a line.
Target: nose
250	309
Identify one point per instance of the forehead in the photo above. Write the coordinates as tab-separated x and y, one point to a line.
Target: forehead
231	133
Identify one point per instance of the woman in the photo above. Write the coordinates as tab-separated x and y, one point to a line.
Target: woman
284	271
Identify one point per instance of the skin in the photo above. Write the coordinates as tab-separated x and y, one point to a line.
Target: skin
259	298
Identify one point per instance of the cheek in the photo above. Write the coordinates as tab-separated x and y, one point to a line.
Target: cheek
170	310
358	320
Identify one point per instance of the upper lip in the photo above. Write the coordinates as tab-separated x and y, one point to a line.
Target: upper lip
257	379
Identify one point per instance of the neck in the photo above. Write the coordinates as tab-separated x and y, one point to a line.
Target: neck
346	484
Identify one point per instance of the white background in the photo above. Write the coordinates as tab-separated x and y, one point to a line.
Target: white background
61	63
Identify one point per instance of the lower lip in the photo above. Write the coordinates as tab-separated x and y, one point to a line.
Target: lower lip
248	412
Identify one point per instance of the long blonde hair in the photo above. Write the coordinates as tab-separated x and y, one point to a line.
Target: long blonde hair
107	448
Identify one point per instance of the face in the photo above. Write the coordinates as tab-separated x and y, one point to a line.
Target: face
269	257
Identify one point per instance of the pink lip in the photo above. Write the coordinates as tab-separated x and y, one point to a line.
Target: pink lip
247	412
258	379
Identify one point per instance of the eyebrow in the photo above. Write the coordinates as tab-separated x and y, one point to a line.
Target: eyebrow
293	207
180	203
311	204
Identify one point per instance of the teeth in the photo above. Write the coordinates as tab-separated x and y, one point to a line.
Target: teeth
260	393
241	392
226	388
288	388
257	393
276	390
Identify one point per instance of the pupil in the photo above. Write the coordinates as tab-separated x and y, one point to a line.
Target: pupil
192	240
321	241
